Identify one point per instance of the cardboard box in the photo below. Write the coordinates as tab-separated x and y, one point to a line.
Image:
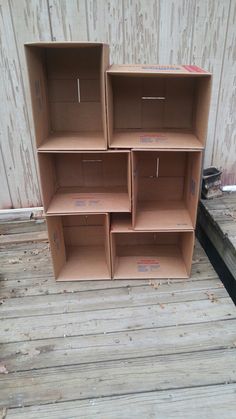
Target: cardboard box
165	188
85	182
156	254
80	246
163	107
67	82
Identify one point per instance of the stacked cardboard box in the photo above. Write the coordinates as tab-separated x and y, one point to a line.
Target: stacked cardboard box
120	153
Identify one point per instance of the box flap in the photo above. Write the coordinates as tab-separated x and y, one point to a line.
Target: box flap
146	69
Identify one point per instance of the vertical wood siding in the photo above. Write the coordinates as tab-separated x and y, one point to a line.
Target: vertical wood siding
140	31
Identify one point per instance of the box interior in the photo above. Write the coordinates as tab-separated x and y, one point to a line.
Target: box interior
157	111
80	246
67	86
150	254
85	182
165	189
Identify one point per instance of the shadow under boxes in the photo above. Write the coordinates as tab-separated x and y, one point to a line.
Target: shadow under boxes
68	95
80	246
85	182
157	109
137	254
165	189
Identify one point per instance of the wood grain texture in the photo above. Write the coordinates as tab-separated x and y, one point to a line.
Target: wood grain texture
99	380
68	20
141	31
101	26
176	26
218	219
209	33
5	198
216	401
16	140
224	155
112	349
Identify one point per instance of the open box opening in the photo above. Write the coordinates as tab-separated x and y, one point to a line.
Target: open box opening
85	182
153	110
165	189
137	254
68	95
80	246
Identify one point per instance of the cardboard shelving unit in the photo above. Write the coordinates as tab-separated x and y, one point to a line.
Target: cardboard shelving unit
80	246
155	254
123	144
165	189
68	95
78	182
164	107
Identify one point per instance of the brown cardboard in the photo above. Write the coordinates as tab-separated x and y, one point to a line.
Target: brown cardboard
165	189
148	254
79	182
162	107
67	82
80	246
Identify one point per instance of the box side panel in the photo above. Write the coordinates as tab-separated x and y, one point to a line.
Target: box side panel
38	88
203	97
134	186
109	108
187	246
57	245
47	177
192	183
103	86
107	241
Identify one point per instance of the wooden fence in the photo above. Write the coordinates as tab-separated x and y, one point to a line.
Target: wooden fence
199	32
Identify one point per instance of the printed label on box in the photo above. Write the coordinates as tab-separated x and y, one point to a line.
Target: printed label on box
56	240
86	202
193	69
147	139
162	68
148	265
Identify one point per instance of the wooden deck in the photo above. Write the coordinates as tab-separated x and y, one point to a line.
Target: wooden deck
217	217
116	349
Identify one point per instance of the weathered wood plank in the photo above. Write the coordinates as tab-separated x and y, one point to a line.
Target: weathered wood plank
39	236
225	130
101	27
221	237
176	26
68	20
18	227
209	34
112	298
141	31
117	319
117	377
217	401
34	261
55	352
5	197
17	148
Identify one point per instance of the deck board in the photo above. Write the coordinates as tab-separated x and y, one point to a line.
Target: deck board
206	402
218	219
112	348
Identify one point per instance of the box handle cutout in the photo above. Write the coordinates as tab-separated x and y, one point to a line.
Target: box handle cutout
91	160
153	98
157	168
78	90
